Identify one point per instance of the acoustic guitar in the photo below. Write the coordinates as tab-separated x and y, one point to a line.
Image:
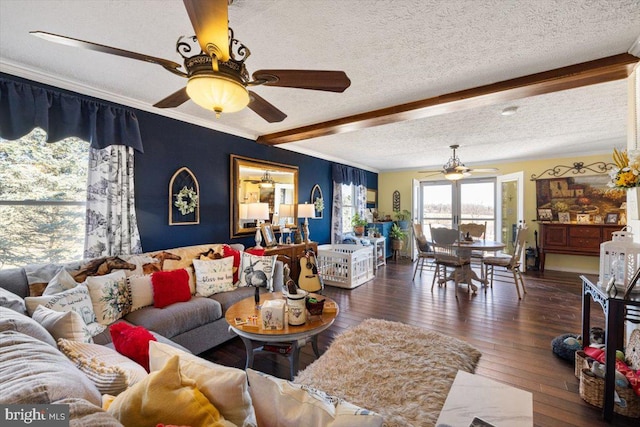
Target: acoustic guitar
309	279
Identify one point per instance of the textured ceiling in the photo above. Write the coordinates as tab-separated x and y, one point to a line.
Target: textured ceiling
393	51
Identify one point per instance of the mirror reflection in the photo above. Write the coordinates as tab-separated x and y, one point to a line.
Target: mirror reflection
262	192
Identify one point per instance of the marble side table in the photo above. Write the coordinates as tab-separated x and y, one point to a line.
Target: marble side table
496	403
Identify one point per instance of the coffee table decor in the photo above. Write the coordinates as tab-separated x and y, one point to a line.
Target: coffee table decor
400	371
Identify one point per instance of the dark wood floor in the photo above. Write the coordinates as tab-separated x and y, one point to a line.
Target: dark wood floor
513	336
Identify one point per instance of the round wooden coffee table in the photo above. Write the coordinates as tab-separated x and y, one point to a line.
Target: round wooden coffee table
255	338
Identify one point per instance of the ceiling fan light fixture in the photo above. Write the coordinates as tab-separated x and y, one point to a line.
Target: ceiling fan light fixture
217	92
453	175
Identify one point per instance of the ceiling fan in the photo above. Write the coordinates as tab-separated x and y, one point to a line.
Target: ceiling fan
454	169
218	78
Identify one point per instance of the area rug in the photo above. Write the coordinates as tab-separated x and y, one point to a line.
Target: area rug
402	372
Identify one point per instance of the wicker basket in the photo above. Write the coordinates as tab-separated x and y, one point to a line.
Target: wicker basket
592	391
581	362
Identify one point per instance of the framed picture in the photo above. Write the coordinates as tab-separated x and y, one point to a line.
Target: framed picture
597	219
545	214
583	218
268	235
564	217
612	218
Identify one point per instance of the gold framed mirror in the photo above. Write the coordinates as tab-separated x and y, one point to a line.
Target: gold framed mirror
256	183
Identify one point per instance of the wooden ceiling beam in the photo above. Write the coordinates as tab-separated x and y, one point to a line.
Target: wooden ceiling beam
587	73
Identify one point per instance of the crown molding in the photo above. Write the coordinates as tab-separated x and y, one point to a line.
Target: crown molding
48	79
635	48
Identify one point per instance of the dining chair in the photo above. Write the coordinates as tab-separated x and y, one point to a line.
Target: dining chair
475	230
508	264
426	256
447	255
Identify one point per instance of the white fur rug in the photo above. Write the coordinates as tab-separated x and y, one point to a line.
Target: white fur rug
400	371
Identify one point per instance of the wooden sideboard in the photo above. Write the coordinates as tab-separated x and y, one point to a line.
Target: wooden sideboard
573	239
291	254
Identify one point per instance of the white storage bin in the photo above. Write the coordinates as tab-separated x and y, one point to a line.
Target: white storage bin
345	266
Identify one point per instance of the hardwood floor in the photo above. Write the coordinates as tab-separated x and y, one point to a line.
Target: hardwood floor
513	336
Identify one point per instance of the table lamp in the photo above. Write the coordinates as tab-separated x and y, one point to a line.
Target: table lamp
306	211
259	212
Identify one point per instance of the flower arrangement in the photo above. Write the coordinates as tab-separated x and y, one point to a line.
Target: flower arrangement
626	173
319	204
186	200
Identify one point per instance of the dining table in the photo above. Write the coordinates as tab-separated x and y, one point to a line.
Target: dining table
466	247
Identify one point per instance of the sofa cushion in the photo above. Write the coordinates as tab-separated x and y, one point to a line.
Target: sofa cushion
83	413
12	301
109	370
170	287
62	324
141	291
225	387
33	372
165	397
12	321
283	403
132	341
227	299
177	318
62	281
15	281
213	276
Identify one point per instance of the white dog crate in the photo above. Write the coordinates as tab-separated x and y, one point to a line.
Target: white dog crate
345	266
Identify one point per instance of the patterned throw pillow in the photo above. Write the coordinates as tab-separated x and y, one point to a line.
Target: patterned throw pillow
257	270
110	371
283	403
110	296
213	276
141	291
76	299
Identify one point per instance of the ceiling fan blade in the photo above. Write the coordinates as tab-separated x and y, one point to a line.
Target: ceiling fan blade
69	41
331	81
210	20
484	170
264	109
174	100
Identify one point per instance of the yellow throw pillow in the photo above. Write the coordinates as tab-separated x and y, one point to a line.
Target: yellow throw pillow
165	397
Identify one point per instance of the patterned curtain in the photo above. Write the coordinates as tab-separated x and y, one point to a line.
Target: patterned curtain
111	225
356	179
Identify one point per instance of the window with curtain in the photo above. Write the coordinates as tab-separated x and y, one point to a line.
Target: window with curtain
43	192
349	198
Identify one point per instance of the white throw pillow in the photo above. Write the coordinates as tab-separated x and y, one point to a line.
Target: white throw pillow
62	281
257	270
110	371
225	387
110	296
282	403
63	324
141	291
76	299
213	276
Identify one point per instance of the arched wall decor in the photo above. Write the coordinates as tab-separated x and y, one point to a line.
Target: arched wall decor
316	194
184	198
396	201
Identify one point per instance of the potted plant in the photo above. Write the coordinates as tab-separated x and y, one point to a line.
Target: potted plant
358	223
397	236
403	218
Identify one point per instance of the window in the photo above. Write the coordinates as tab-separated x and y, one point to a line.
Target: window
42	199
348	206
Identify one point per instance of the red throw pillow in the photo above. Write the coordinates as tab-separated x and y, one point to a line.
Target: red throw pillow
254	251
170	287
132	341
229	251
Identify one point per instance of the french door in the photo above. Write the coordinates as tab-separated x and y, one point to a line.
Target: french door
450	203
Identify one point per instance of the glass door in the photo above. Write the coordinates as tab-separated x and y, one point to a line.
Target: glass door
510	205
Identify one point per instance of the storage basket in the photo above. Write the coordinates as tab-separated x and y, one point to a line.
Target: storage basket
345	266
581	362
592	391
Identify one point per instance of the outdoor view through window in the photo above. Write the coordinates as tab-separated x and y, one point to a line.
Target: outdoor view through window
43	189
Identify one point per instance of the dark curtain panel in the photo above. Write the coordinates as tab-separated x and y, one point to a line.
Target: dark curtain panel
348	175
24	107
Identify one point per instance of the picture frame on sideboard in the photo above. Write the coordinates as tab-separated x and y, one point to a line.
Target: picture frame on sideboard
612	218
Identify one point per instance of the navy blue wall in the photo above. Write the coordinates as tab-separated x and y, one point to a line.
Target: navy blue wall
171	144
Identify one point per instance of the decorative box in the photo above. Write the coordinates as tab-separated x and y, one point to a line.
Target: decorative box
273	314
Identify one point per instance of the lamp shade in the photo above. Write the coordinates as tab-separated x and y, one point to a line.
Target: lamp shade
453	175
218	93
258	210
244	209
306	211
